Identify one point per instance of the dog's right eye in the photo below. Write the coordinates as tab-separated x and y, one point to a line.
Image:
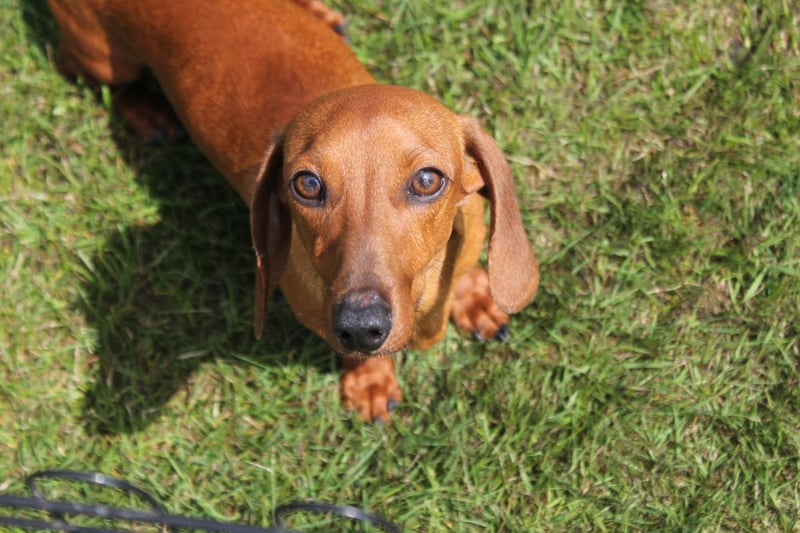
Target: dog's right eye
308	188
427	184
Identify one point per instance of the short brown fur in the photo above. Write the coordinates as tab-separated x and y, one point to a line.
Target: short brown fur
268	92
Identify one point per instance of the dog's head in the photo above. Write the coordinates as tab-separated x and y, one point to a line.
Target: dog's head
371	178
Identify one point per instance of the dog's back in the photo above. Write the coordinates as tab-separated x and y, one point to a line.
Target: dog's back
234	71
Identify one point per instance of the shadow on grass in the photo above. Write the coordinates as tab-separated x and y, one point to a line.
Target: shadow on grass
163	298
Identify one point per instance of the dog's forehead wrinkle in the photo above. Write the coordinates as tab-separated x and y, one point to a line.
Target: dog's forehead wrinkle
364	158
371	108
350	137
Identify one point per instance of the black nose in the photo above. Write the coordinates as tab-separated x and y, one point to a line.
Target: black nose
362	320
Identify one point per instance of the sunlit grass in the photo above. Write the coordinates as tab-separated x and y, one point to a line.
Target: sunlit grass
652	385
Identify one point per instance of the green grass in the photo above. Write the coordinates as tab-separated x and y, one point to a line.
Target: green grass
652	385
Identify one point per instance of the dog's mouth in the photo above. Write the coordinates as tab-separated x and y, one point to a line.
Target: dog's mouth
396	341
368	355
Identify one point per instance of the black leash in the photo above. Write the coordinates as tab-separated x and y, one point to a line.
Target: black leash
58	510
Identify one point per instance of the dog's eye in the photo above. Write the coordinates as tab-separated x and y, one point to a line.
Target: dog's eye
308	188
427	184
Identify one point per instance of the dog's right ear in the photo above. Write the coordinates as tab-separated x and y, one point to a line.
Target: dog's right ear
271	229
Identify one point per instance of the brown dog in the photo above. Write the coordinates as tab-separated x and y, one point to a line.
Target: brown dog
367	208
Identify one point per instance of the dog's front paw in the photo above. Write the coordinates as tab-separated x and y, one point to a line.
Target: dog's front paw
474	309
370	388
149	114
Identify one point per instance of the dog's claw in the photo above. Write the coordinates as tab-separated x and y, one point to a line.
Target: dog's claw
503	334
392	404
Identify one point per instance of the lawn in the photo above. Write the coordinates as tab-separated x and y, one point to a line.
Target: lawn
652	385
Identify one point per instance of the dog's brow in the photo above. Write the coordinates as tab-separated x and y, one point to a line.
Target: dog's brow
421	153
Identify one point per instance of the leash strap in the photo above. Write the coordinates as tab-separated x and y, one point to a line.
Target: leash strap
58	510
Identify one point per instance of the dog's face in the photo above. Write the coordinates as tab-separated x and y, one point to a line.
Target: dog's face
371	178
373	184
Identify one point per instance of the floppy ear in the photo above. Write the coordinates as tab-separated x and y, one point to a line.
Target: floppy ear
513	272
271	227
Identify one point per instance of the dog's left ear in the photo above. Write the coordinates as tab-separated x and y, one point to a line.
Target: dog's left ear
513	271
271	228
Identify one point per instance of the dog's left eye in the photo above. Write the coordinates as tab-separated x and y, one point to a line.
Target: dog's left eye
308	188
427	184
